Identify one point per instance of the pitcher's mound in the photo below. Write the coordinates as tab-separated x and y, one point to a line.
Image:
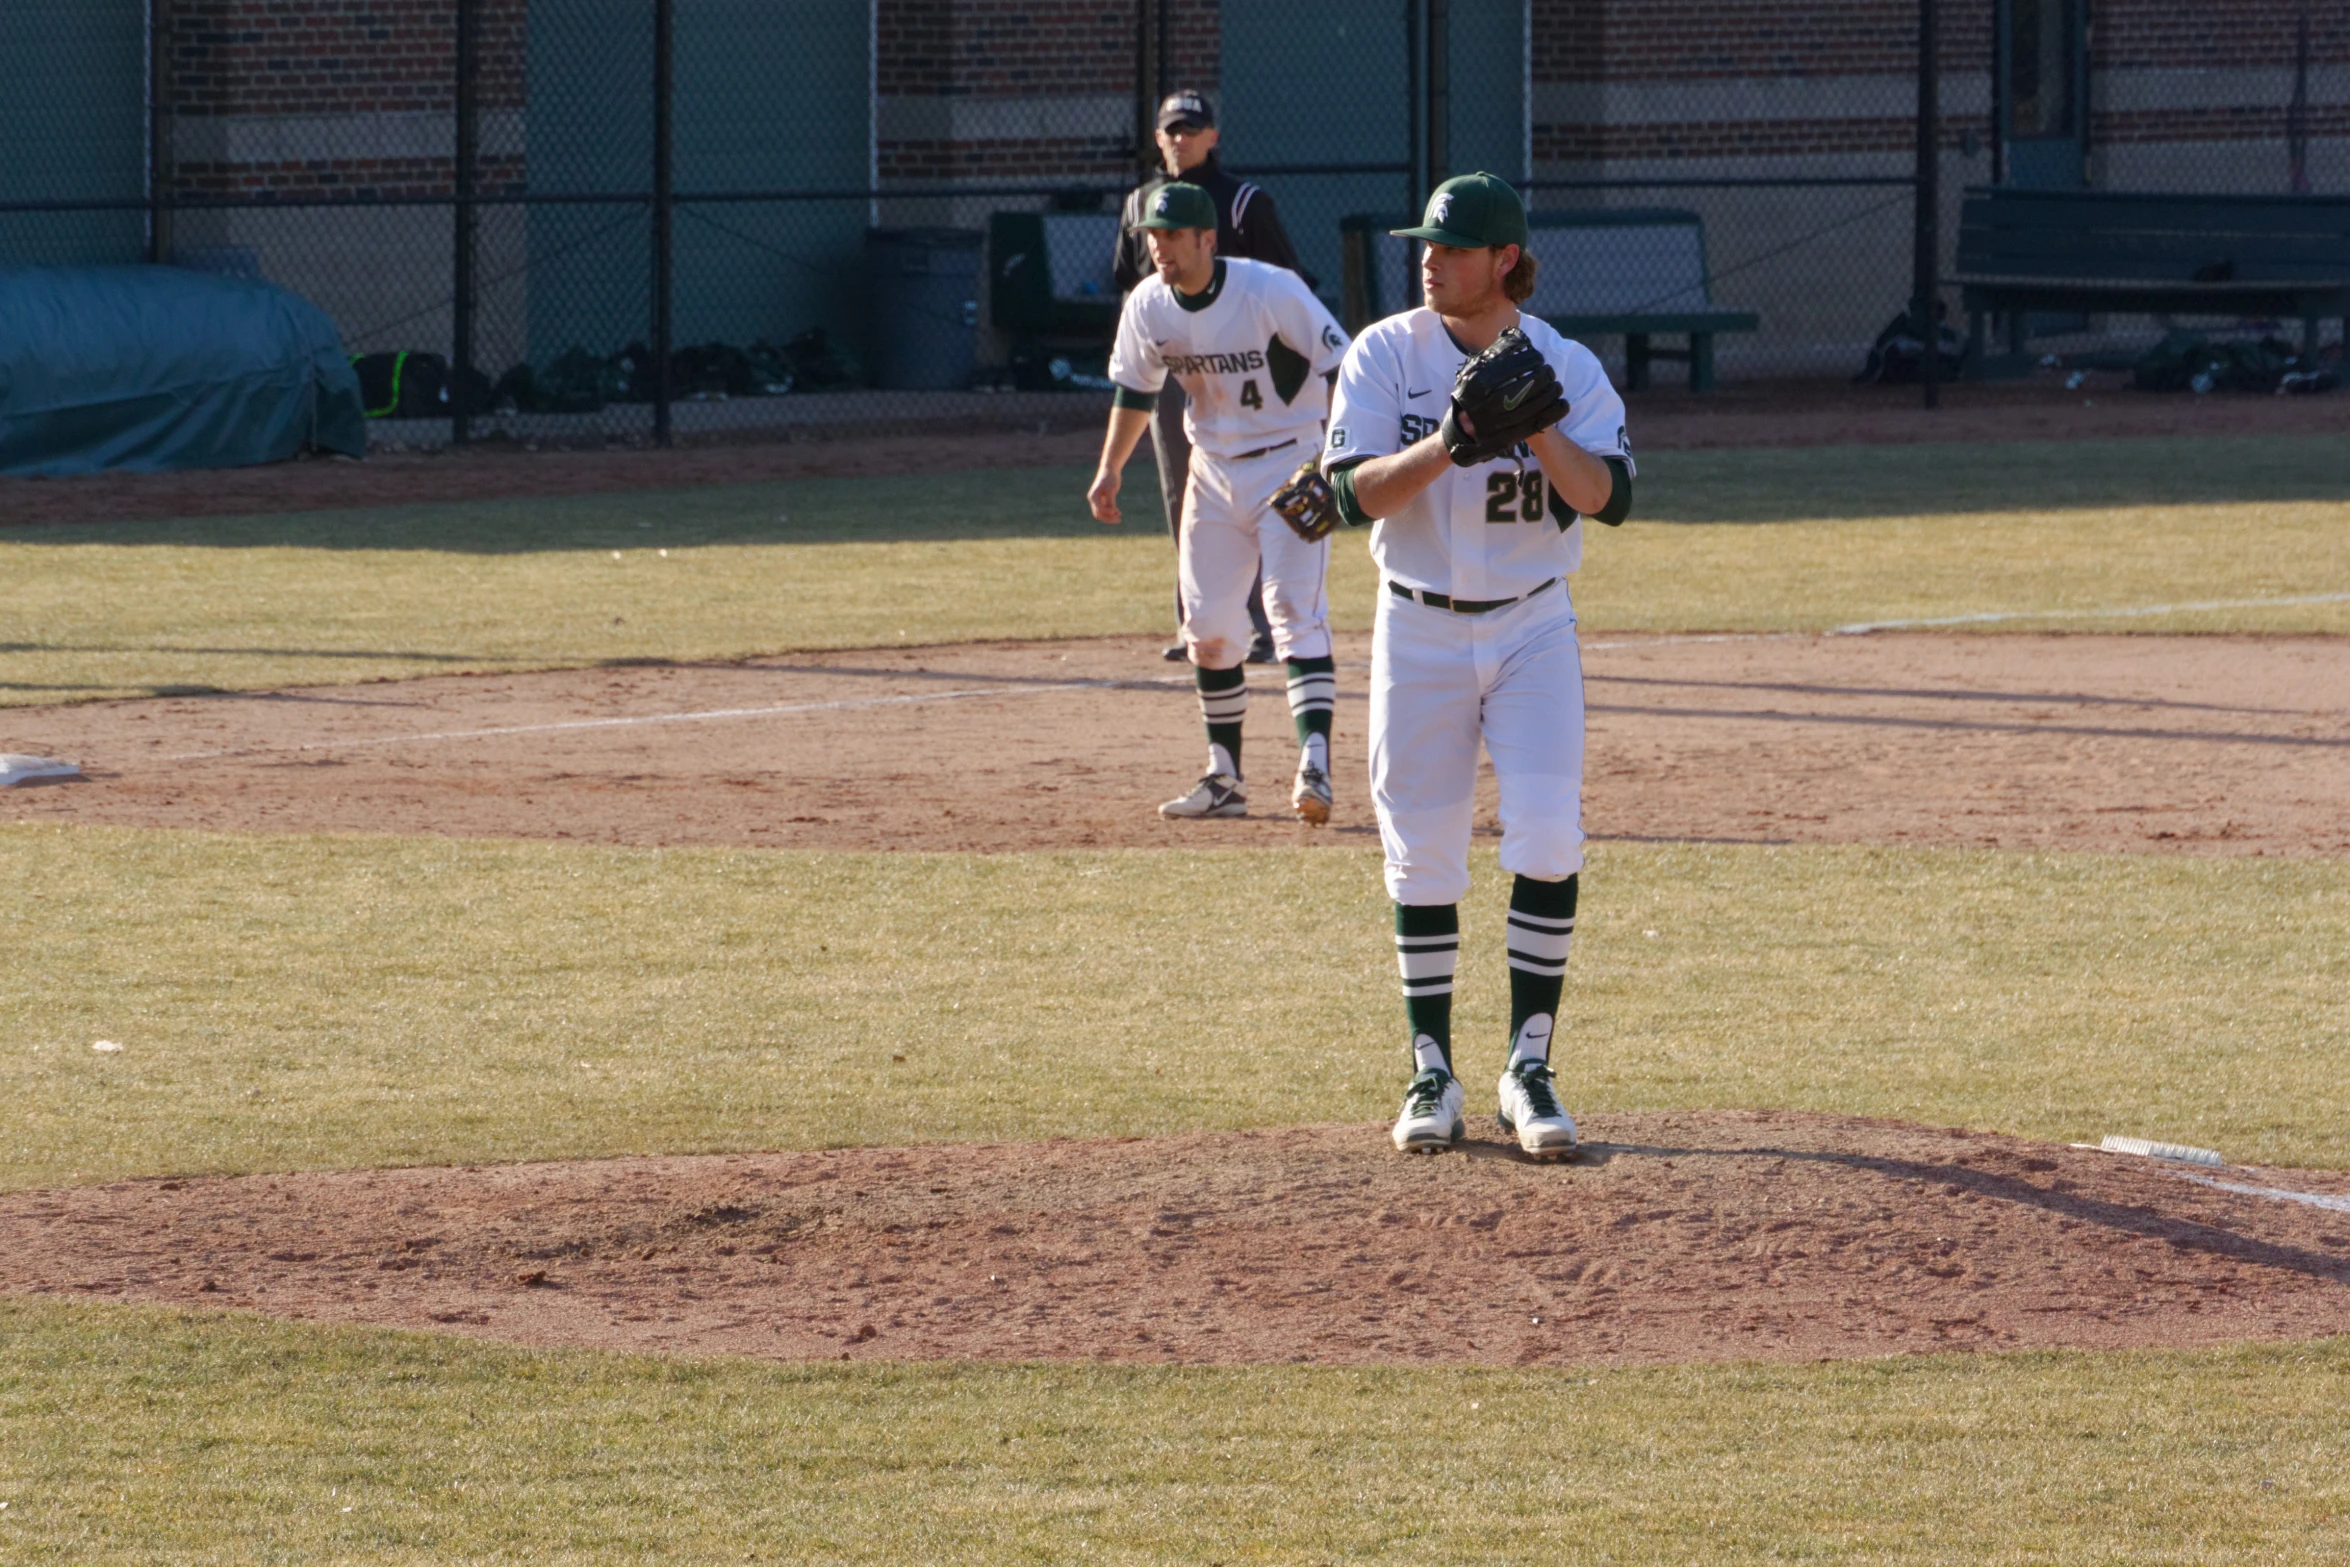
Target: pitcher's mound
1672	1237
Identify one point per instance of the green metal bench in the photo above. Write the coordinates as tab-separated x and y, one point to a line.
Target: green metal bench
1637	272
2076	251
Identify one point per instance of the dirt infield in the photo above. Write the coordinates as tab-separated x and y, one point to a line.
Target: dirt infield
2218	745
1799	413
1671	1238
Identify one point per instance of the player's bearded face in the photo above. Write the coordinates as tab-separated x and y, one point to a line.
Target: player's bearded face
1179	253
1457	282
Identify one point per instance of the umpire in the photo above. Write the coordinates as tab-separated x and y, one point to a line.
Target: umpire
1246	226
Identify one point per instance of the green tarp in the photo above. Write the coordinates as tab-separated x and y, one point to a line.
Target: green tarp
148	368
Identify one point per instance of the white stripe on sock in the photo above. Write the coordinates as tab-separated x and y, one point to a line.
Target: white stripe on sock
1541	945
1427	965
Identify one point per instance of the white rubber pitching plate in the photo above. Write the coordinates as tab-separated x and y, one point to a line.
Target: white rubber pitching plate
16	768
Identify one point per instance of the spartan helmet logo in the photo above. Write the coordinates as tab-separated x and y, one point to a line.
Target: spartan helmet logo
1166	204
1441	209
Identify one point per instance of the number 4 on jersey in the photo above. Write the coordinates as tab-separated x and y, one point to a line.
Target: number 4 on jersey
1514	497
1250	397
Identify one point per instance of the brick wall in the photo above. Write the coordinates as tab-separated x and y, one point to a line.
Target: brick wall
1021	159
336	56
2164	71
309	97
1684	40
1022	90
1004	47
2218	34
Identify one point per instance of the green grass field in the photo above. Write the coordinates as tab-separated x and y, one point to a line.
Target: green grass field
167	1437
1855	534
296	1002
288	1002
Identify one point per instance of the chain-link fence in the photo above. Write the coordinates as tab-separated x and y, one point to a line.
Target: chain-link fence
589	220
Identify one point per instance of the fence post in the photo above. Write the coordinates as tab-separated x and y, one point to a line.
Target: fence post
663	210
1439	91
1929	202
1146	103
1415	112
462	220
159	159
2297	114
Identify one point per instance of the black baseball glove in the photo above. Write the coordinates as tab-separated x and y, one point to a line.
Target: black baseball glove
1307	503
1505	394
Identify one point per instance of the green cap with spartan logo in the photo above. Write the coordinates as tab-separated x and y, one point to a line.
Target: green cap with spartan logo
1179	206
1471	212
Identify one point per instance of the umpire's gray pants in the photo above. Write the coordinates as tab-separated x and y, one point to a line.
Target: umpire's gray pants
1173	451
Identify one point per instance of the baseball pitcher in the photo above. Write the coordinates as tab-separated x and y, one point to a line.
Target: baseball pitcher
1254	351
1475	440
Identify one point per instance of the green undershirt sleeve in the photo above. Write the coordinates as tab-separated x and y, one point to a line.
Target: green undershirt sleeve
1619	495
1342	484
1128	397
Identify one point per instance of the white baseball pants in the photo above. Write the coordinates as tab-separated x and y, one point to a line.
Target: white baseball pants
1440	682
1227	531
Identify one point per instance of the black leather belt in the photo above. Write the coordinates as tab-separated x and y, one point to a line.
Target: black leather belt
1463	606
1262	450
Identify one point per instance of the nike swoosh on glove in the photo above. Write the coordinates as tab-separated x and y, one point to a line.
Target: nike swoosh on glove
1500	397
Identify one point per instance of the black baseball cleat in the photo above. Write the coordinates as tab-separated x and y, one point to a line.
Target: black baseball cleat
1175	654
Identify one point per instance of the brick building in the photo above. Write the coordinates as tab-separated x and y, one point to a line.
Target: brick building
931	110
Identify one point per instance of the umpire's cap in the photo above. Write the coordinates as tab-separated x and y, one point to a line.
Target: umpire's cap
1471	212
1186	108
1176	205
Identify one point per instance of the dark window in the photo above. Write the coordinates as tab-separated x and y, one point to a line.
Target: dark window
2040	42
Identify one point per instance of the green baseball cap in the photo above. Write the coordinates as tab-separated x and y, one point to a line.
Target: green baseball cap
1471	212
1176	205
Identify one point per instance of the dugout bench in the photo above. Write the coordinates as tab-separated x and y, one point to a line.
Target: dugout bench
1635	272
2078	251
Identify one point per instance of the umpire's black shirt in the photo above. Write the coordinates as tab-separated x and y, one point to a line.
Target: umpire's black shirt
1246	224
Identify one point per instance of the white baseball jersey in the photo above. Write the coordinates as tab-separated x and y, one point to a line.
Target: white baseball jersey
1487	532
1250	351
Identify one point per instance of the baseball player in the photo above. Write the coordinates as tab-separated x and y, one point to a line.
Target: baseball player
1247	226
1254	351
1474	440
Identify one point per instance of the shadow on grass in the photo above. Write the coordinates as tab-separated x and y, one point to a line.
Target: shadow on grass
1782	484
1019	503
1744	486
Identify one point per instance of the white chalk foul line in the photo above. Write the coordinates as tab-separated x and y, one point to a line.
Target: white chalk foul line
1863	627
703	716
2277	1193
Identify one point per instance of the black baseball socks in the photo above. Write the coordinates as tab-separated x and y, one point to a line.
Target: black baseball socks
1223	702
1541	928
1313	702
1427	946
